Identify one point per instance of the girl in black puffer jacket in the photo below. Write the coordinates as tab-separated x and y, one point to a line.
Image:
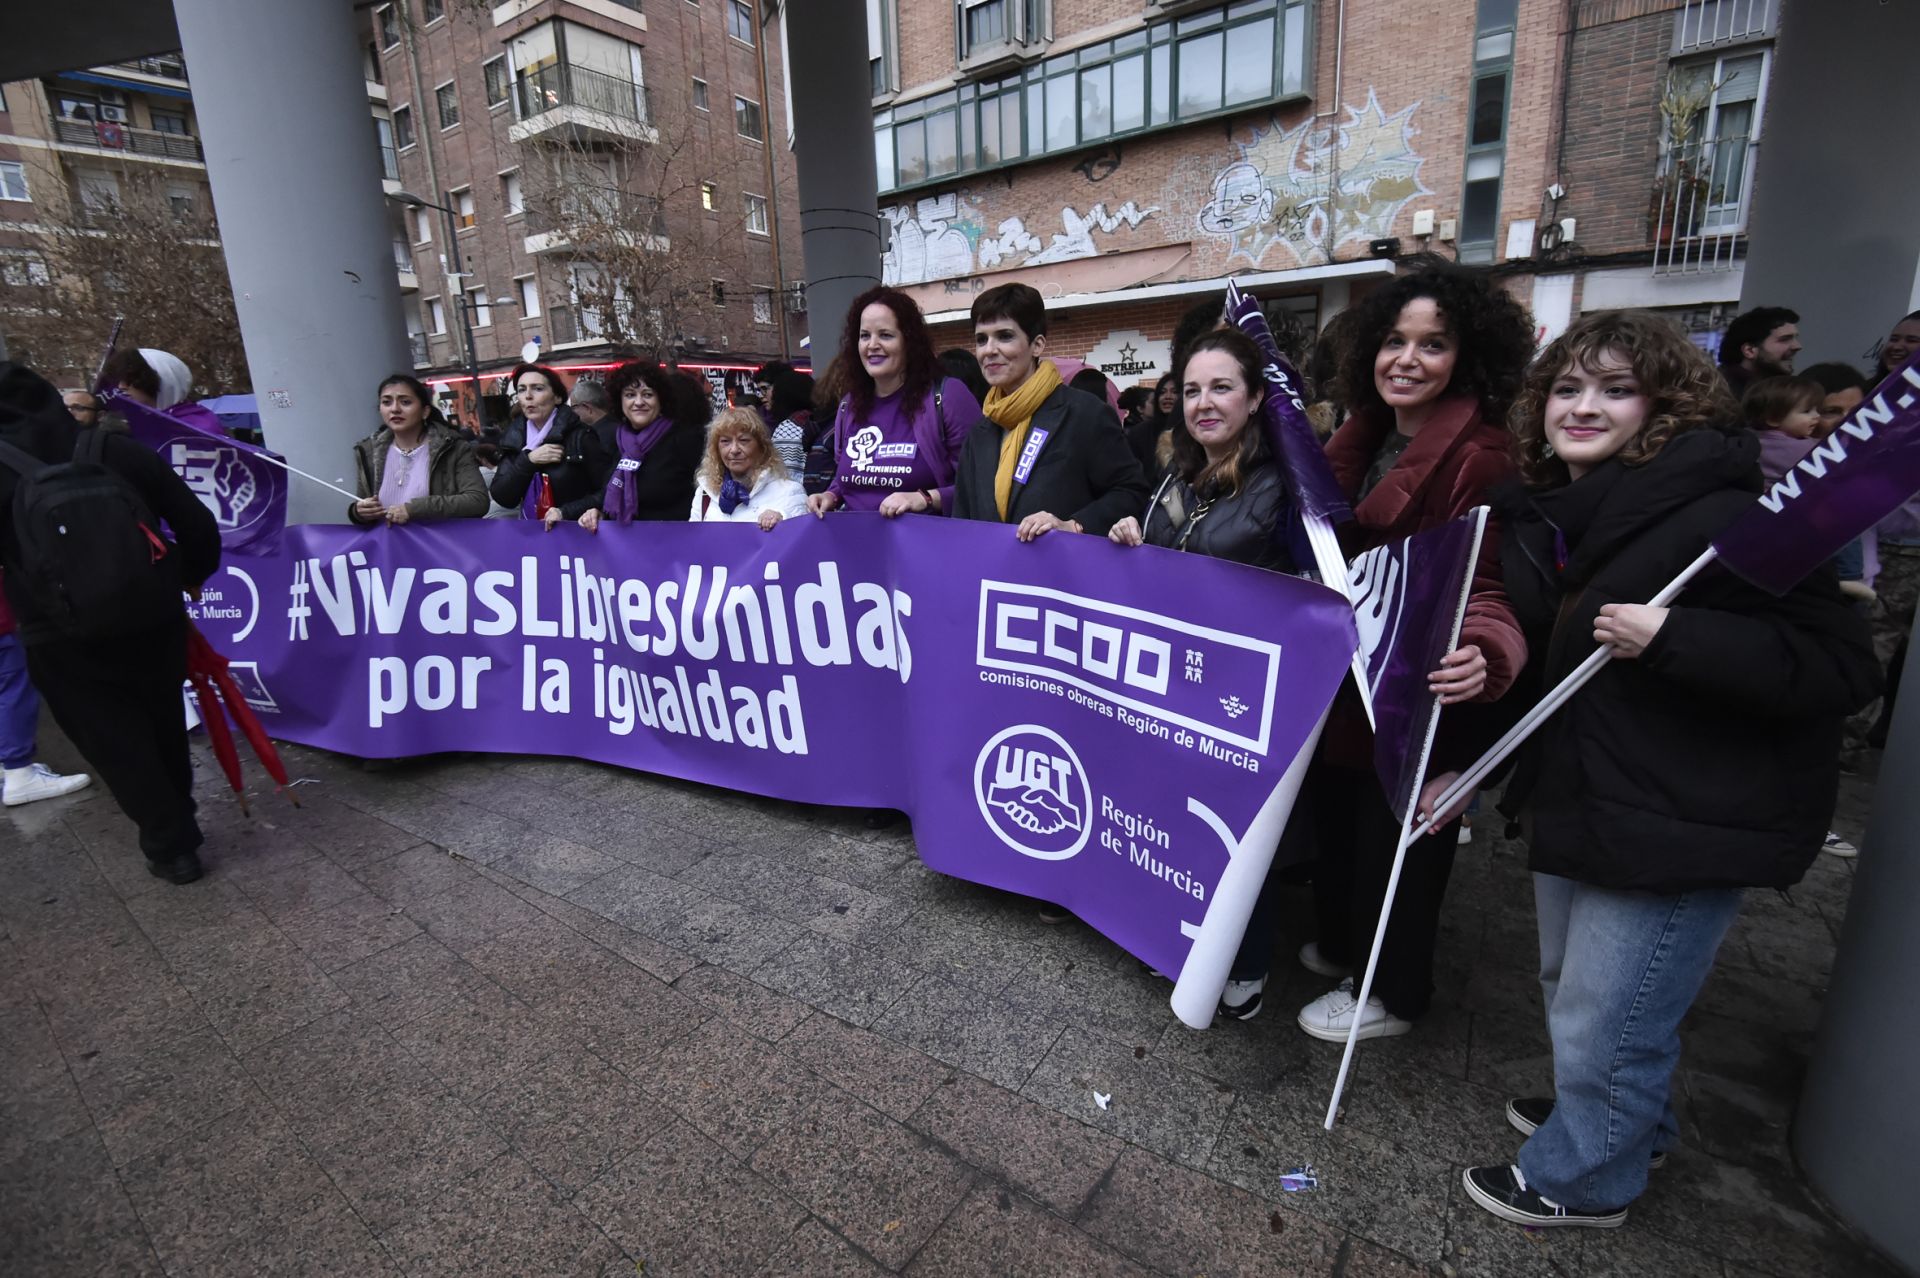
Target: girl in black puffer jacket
1702	760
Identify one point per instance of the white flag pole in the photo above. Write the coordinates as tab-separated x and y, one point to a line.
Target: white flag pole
1470	779
1406	832
1331	562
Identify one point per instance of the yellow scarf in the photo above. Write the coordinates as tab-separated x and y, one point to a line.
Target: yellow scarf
1013	414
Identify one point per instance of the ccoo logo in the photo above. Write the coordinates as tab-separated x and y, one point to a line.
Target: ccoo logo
1034	793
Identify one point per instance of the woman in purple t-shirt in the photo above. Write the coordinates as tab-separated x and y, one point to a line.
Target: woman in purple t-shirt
900	425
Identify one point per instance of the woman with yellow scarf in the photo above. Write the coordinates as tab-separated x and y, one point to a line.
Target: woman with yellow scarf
1046	456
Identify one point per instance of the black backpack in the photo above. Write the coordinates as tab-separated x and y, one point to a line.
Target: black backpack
89	553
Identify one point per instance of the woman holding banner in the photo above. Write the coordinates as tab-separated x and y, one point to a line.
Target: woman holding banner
742	480
1699	761
1431	365
899	427
415	467
553	466
657	449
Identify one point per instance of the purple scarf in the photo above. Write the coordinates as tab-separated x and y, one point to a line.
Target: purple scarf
536	436
732	493
622	502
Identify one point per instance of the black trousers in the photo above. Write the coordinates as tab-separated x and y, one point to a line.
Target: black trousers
1357	834
119	702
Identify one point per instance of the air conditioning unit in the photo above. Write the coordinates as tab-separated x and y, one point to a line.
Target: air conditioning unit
795	301
114	113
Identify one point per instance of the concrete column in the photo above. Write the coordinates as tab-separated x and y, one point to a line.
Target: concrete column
1857	1132
833	150
295	172
1845	259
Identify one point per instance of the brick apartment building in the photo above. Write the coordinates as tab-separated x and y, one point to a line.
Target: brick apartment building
1126	156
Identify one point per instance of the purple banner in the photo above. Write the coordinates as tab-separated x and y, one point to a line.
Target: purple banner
1289	433
1409	599
246	494
1086	724
1846	484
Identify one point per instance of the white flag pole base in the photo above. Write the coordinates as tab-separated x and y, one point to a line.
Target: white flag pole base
1470	780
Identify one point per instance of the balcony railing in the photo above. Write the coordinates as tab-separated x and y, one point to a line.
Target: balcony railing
169	65
1697	214
389	163
565	85
417	346
109	136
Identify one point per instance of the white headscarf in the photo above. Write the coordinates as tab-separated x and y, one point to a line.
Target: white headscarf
176	379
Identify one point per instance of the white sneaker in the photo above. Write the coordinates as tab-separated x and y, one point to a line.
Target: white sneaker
1330	1016
37	781
1466	833
1241	1000
1838	846
1313	961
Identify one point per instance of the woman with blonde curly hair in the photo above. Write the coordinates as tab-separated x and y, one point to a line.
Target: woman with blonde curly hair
1701	760
742	480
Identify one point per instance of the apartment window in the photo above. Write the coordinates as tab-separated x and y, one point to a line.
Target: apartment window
1487	130
707	196
372	68
746	119
13	180
482	308
1710	130
171	122
983	21
493	74
436	317
757	214
387	23
403	127
20	268
700	93
389	162
422	225
463	217
529	290
180	201
3	100
881	16
448	101
763	306
1192	67
432	11
719	292
512	198
740	20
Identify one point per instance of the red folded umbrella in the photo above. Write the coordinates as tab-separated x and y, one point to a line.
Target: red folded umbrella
207	670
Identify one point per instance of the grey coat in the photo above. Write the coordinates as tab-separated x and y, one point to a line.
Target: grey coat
454	487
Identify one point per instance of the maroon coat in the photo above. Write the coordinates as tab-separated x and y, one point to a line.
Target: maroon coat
1448	469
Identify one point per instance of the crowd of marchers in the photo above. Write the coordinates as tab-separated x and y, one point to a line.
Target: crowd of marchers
1702	761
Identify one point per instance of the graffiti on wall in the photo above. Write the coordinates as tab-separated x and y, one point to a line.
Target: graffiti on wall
951	235
1315	187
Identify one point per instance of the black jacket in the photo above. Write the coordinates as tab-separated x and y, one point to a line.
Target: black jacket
577	478
1239	527
1084	471
1712	759
33	419
664	483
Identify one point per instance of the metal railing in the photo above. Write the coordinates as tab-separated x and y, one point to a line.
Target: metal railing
562	84
1697	216
402	258
170	65
109	136
1706	23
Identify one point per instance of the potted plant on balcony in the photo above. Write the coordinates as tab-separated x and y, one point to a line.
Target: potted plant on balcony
1677	203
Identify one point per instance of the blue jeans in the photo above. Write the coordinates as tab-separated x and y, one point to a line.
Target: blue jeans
1619	970
19	705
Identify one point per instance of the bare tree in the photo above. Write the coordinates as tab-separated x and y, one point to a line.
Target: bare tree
618	192
138	247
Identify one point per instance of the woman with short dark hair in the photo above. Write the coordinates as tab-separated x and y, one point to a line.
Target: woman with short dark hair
553	466
415	467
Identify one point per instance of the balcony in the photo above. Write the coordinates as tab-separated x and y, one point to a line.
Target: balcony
418	350
403	264
596	219
1697	211
167	66
103	137
626	12
566	103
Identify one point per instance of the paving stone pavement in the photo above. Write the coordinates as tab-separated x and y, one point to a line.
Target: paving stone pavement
530	1016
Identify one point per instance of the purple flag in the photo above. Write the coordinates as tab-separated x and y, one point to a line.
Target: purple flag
1409	600
1093	726
246	493
1849	482
1289	433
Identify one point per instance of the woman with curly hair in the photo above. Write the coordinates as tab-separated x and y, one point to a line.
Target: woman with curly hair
1700	761
1431	362
898	427
743	480
657	448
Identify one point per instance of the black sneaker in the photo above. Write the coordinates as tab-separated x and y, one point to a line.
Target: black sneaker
1503	1191
181	869
1526	1113
1051	913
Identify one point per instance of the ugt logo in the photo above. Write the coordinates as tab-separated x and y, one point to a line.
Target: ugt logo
1033	792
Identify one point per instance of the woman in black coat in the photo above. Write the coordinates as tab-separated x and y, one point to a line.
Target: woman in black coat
1046	456
553	466
656	445
1701	760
